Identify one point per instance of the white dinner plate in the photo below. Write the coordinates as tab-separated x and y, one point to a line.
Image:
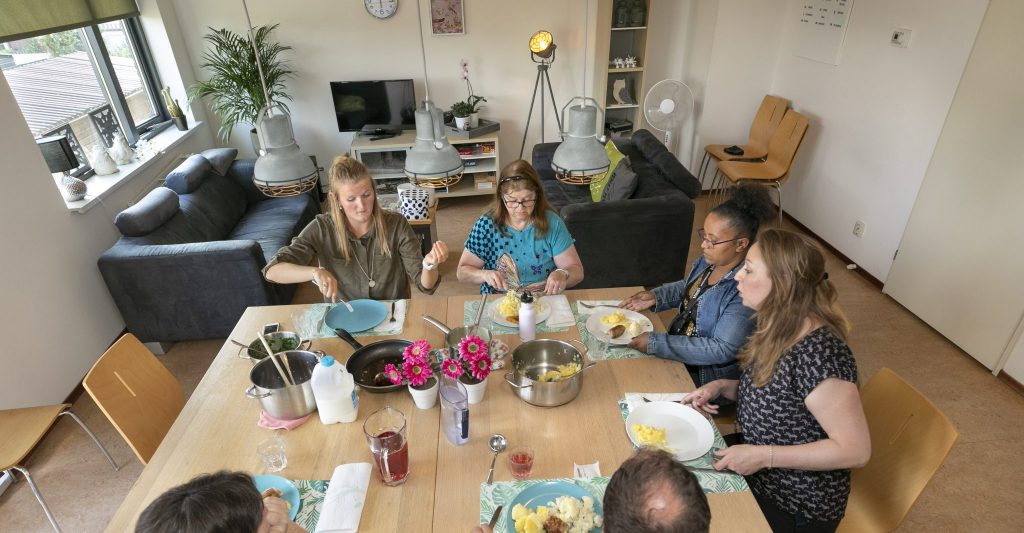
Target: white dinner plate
688	433
543	312
600	329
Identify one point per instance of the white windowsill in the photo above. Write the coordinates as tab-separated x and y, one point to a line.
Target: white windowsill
102	186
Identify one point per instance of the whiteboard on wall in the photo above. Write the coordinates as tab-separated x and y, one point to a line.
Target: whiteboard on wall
821	29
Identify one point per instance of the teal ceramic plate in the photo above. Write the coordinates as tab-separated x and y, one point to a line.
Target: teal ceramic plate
543	493
289	492
364	315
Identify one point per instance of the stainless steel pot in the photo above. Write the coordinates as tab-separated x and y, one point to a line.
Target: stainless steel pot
279	400
255	352
452	336
532	359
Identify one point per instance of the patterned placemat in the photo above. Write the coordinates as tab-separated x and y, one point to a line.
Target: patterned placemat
503	492
312	320
611	351
311	500
469	314
710	482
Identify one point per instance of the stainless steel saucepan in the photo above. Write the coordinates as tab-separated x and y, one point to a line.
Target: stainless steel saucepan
533	359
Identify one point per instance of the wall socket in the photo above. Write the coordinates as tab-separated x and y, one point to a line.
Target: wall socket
858	229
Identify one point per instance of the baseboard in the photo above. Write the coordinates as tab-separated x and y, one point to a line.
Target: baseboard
871	279
1013	383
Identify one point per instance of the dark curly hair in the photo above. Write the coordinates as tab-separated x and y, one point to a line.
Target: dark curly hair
746	209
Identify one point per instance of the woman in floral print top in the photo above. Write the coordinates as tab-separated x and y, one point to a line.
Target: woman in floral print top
798	405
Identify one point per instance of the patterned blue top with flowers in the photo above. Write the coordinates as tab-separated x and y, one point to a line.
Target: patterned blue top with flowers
534	255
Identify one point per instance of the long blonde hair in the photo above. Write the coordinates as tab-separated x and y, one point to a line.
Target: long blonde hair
346	170
800	290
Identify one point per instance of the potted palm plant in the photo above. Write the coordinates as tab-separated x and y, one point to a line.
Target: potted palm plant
233	91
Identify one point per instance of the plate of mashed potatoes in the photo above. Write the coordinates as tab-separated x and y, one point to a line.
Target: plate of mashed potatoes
618	326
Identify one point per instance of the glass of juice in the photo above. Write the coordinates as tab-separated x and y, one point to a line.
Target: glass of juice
520	461
385	431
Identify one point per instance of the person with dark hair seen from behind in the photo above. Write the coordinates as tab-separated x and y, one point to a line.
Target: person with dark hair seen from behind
653	493
712	324
222	502
524	225
797	399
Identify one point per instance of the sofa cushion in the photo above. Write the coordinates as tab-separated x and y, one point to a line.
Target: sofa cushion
676	174
148	214
620	184
220	159
273	222
597	187
189	174
648	144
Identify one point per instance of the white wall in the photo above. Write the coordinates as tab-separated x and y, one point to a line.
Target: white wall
55	301
338	40
875	119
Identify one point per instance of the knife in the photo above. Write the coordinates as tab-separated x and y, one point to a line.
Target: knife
712	470
494	517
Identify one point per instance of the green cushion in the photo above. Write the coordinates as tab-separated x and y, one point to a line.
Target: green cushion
614	157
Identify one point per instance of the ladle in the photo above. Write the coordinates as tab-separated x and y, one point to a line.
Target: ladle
497	444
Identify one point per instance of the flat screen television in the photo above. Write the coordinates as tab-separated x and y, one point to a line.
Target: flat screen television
367	105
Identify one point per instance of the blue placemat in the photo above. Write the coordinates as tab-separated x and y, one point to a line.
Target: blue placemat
503	492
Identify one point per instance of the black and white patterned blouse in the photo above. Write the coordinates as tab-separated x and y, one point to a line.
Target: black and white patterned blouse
776	414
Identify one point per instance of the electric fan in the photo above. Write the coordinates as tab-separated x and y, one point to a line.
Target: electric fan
667	106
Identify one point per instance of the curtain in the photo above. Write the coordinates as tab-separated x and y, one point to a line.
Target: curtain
21	19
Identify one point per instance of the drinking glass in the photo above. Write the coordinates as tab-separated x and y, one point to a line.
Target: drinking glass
385	431
272	451
597	348
520	461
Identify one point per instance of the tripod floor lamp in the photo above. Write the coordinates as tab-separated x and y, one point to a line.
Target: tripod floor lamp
542	52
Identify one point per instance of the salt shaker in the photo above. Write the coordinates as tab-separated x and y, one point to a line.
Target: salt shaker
527	317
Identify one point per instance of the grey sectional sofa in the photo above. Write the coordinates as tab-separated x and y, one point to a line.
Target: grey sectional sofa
189	259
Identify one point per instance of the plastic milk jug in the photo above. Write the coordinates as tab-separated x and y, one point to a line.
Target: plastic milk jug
335	392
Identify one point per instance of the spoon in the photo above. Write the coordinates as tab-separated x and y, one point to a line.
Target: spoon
497	444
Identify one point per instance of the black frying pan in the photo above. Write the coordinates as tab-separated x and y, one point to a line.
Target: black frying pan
367	362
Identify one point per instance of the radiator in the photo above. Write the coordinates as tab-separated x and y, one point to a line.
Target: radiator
159	181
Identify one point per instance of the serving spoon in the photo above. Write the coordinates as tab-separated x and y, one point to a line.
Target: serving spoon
497	443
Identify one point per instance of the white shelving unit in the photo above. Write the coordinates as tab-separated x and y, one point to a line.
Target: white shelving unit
620	41
386	158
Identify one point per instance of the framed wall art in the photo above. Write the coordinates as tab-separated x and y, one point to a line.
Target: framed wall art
447	17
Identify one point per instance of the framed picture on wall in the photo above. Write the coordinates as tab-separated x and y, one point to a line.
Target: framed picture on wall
447	17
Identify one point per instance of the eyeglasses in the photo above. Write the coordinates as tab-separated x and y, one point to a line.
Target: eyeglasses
513	177
521	203
704	237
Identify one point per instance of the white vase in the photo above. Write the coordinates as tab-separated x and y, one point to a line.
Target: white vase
474	120
101	161
425	398
475	391
462	123
121	152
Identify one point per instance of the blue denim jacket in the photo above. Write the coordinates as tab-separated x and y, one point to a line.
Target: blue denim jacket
723	325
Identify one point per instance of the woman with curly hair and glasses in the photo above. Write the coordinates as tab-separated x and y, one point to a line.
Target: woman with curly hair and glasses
798	405
523	225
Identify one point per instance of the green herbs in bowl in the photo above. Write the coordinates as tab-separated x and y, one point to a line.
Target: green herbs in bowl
280	341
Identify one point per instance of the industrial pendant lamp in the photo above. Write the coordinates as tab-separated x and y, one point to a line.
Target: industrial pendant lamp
281	169
432	162
581	158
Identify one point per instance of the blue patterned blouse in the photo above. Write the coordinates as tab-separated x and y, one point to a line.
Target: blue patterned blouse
533	255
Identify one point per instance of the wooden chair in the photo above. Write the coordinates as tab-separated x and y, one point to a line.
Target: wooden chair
774	170
22	429
767	119
137	393
910	439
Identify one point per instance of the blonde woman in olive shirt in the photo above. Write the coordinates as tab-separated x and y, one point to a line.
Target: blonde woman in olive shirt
362	250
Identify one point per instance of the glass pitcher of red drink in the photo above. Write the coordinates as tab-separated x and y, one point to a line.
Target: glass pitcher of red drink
385	431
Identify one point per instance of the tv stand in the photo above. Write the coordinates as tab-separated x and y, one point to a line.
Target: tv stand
386	159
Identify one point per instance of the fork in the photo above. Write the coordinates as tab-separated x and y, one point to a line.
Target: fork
392	320
594	306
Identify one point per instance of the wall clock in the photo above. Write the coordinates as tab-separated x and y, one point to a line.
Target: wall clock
381	9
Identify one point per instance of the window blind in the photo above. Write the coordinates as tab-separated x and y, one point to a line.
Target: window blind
21	19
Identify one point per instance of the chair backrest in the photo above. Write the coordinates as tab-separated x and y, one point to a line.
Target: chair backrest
767	119
785	142
137	393
910	439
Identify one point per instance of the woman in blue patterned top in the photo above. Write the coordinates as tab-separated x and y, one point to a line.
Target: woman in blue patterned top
798	389
523	225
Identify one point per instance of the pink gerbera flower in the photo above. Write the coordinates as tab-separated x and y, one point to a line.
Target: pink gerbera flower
480	367
417	371
418	349
393	374
472	347
451	368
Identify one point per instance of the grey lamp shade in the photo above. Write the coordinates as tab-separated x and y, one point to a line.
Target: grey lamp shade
282	169
431	157
58	153
581	153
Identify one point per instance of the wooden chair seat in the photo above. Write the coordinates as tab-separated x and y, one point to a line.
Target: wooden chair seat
769	116
750	151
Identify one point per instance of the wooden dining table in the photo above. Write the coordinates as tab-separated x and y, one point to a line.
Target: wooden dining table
217	430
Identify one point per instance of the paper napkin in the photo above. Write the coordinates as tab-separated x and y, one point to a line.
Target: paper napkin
343	503
561	313
588	311
586	471
388	328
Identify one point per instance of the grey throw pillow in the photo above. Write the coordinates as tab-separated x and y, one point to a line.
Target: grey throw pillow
189	175
148	214
621	184
221	159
